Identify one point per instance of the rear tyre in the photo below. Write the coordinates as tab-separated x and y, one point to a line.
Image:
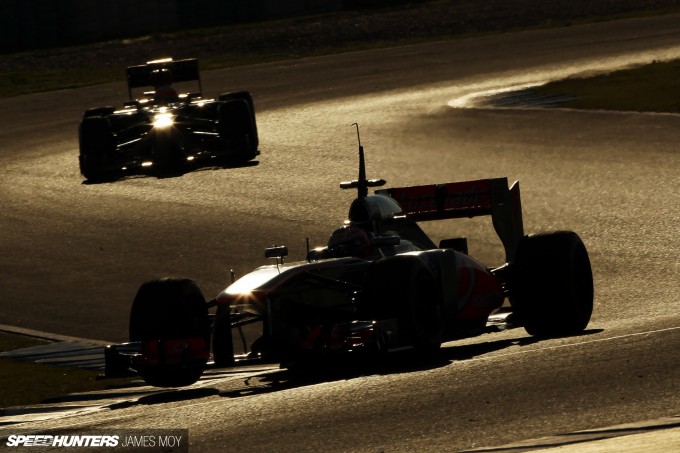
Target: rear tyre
552	290
97	148
222	341
403	287
171	309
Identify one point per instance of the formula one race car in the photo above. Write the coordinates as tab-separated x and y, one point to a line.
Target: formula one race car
164	131
380	286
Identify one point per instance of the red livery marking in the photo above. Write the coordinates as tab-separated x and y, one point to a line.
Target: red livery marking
437	201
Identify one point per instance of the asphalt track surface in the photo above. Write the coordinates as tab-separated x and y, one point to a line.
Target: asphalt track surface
74	254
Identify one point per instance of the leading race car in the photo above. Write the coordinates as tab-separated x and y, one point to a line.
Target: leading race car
166	131
380	286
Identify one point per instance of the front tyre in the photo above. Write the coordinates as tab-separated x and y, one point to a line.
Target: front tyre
552	289
245	96
237	128
169	317
97	148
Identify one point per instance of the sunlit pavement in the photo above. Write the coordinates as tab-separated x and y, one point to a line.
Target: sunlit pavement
661	435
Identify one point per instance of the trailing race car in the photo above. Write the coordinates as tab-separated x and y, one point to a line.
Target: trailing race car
164	131
380	285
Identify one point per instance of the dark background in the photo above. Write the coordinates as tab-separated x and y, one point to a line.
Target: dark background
35	24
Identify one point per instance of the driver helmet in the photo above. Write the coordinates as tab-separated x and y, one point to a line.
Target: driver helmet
349	241
161	77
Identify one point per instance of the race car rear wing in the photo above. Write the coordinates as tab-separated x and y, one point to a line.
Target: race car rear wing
182	71
467	199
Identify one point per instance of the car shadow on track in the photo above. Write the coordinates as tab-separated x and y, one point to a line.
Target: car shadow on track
340	368
158	174
331	370
255	379
176	395
350	367
468	352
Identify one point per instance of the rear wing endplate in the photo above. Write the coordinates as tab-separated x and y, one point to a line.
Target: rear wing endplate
182	71
467	199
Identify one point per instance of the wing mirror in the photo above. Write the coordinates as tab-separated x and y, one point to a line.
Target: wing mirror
276	252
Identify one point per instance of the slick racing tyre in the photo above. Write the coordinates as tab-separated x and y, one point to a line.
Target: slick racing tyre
245	96
97	148
222	341
403	287
236	126
163	312
552	289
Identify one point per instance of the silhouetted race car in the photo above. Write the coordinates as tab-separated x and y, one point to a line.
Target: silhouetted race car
165	131
380	286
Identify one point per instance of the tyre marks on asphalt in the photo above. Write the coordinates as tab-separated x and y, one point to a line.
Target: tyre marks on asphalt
85	354
61	353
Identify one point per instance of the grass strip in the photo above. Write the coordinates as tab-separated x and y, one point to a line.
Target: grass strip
28	383
650	88
235	45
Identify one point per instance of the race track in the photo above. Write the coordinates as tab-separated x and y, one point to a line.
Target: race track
74	254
